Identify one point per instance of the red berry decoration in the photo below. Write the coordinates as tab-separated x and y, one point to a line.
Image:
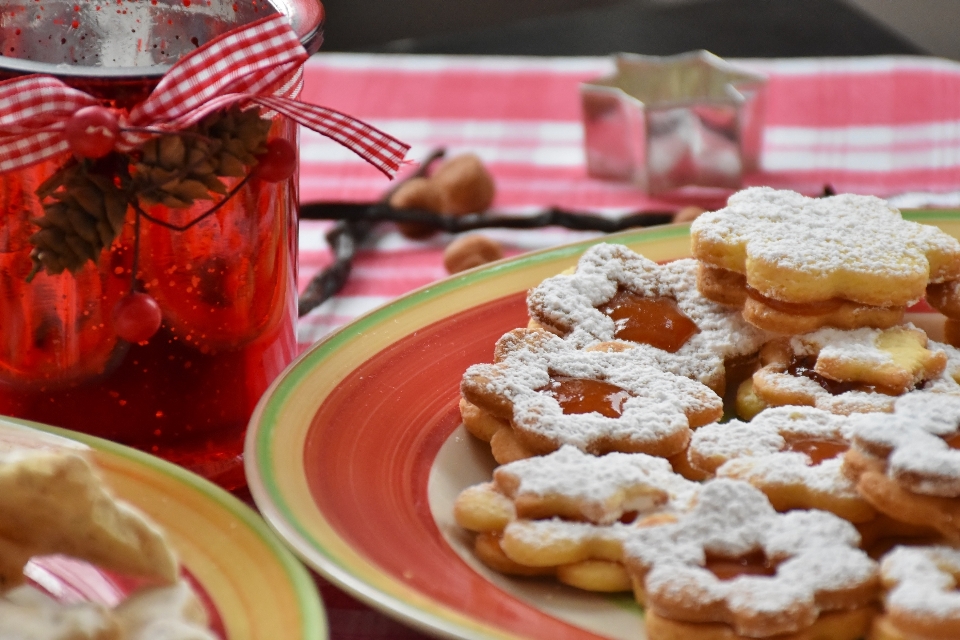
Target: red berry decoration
136	317
92	132
278	163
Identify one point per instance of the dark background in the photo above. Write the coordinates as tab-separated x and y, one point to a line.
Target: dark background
728	28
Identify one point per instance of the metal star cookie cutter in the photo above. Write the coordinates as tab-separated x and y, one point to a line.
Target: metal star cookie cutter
669	122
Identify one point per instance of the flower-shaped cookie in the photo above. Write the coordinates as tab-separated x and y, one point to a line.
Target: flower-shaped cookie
552	394
575	485
945	298
847	260
847	371
567	513
616	294
922	600
905	463
579	554
734	561
792	454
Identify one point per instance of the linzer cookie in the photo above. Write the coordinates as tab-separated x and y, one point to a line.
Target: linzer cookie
905	463
846	371
792	454
547	393
578	554
921	598
566	513
617	295
733	567
796	264
945	298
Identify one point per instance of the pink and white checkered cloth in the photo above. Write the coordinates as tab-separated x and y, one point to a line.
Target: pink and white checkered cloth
887	126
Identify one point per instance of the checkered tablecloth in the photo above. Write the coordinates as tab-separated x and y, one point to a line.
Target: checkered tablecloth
887	126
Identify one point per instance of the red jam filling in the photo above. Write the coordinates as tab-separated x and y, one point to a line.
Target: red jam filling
654	321
804	367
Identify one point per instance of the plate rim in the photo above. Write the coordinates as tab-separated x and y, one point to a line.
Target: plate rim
309	602
258	445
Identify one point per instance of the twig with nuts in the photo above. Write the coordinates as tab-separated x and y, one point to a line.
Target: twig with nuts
554	216
446	201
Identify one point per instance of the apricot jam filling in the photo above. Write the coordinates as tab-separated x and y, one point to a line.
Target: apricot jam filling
818	450
797	308
582	395
953	441
654	321
752	564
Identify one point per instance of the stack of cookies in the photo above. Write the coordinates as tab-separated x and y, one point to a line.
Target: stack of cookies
752	441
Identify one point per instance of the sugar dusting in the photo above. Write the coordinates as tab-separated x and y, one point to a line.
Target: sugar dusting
570	302
604	486
915	435
758	451
921	582
821	236
816	553
656	409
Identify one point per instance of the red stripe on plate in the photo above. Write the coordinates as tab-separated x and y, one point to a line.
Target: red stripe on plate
368	456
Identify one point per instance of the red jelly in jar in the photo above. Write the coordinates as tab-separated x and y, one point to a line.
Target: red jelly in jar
225	287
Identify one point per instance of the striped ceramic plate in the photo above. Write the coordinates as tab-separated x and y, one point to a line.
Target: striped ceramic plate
252	586
356	454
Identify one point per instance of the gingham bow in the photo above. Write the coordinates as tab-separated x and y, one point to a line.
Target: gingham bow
259	63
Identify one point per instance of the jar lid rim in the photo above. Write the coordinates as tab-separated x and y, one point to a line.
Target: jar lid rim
306	18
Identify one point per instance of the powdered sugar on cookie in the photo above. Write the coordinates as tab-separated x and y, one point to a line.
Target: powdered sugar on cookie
800	249
813	556
896	359
792	454
563	545
602	488
633	407
922	584
914	441
845	345
851	371
572	305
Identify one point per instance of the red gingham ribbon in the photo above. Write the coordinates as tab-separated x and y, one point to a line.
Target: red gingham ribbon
260	63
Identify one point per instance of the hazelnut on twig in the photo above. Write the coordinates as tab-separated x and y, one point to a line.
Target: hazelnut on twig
459	186
417	193
465	185
470	251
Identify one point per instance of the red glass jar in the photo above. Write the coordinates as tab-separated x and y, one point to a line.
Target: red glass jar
226	286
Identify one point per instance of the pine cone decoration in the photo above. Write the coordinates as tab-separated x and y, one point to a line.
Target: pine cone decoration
177	170
244	137
85	202
85	211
